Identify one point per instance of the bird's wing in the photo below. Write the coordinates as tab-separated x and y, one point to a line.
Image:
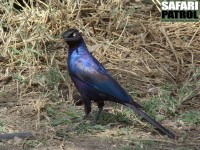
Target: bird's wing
93	73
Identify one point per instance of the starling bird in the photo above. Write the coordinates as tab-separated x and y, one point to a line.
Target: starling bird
95	83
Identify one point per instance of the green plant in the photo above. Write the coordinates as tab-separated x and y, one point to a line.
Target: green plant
146	145
126	147
62	116
20	78
191	117
53	76
2	129
162	104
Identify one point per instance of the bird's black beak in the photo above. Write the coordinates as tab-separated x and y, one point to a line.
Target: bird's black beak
66	35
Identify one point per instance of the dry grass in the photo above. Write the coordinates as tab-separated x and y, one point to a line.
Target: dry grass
141	52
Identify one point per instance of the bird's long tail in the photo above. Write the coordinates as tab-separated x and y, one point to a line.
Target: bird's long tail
152	121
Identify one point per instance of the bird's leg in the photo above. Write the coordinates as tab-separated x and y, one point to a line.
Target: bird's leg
100	106
97	115
87	108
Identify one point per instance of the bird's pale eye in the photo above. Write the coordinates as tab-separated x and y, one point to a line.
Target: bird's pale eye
74	34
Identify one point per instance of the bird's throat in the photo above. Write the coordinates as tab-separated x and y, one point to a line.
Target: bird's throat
79	48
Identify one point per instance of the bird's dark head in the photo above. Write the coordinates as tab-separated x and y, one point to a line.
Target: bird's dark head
72	37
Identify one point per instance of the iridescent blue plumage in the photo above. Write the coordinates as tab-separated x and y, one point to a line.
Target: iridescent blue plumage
84	67
95	83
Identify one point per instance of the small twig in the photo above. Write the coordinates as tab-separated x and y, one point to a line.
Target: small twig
173	51
157	3
193	36
79	11
130	72
191	96
22	135
162	69
127	19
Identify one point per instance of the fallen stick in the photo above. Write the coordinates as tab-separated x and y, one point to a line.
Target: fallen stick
22	135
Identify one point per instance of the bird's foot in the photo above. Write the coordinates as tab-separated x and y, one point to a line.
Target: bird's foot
97	116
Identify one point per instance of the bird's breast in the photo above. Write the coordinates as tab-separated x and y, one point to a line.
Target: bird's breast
77	63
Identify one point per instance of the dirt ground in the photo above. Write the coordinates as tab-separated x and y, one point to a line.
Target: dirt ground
21	115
